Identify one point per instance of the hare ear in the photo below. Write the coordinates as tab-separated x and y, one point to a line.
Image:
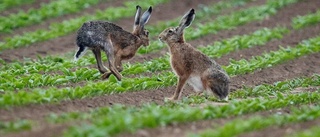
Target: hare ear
186	21
145	17
137	17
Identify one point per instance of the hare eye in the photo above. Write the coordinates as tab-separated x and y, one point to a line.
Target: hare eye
170	31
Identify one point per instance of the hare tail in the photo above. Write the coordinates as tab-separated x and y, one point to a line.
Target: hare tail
219	85
81	51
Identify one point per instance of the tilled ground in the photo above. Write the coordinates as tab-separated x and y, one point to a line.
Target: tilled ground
303	66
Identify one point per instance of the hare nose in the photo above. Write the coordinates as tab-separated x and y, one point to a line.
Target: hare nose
160	39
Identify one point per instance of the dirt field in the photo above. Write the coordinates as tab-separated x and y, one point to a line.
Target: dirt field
304	66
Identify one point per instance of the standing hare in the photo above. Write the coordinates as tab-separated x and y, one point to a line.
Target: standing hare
117	43
192	66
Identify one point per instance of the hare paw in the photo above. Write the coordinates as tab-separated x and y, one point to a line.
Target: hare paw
173	98
106	75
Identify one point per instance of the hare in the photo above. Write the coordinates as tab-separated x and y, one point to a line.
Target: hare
117	43
192	66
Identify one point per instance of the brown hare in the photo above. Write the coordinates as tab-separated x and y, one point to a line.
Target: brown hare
192	66
117	43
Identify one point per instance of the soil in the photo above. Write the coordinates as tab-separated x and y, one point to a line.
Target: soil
301	67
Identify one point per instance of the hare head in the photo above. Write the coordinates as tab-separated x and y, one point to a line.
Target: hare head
139	23
175	34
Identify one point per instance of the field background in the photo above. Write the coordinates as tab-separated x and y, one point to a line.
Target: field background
270	49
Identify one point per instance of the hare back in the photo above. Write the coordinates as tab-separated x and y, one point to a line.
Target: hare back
186	59
96	33
100	26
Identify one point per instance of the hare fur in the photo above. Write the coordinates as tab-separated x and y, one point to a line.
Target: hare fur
191	66
117	43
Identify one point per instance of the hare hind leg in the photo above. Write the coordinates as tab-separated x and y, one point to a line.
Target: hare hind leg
97	55
108	49
119	68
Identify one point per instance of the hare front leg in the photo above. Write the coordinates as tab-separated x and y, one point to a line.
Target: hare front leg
118	63
97	55
181	82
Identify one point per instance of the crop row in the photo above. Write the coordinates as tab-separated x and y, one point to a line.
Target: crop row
229	21
52	9
311	132
303	21
6	4
233	128
204	13
34	79
215	9
154	45
262	90
117	118
273	89
162	80
54	63
277	89
259	37
131	119
239	18
44	67
273	58
12	126
68	26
